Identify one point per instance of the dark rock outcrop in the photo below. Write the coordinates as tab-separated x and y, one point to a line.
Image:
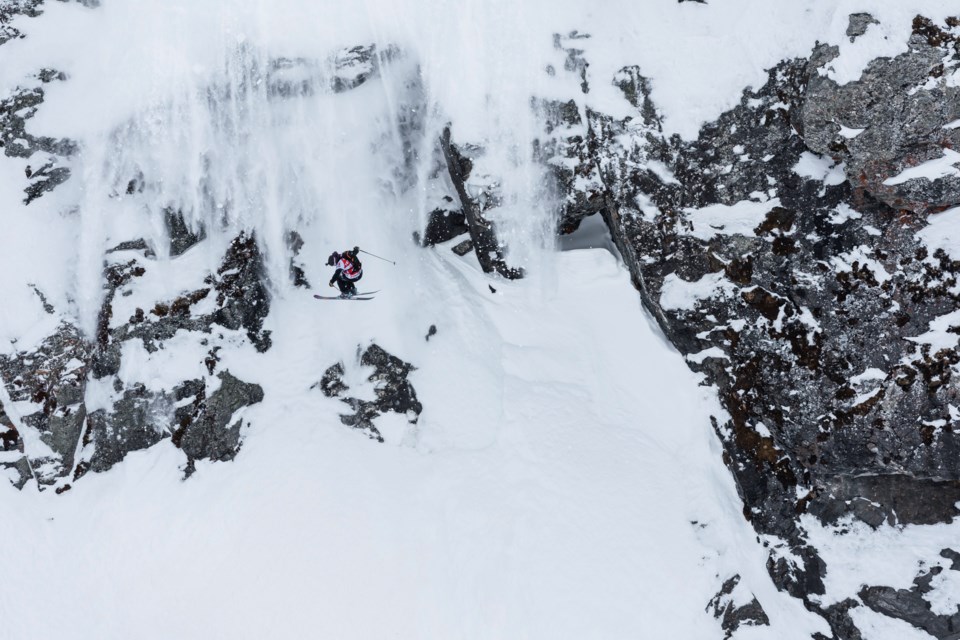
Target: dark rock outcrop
346	69
138	420
910	605
859	23
810	319
205	431
444	225
297	274
242	297
16	142
732	616
51	380
894	117
460	161
182	236
13	462
392	389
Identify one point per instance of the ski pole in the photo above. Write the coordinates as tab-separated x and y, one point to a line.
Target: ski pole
376	256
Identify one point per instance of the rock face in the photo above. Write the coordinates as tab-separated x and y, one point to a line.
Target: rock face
53	384
731	616
478	194
898	116
47	385
392	389
782	253
913	606
48	153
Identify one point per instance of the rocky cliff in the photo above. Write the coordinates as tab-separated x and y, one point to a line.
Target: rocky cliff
784	253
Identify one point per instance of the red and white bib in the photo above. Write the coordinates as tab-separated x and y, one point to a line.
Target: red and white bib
349	271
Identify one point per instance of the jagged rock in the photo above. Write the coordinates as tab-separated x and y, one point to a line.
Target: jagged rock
347	69
48	384
909	605
893	118
859	23
44	180
391	386
17	142
723	607
12	8
890	499
14	113
574	61
331	384
205	432
181	235
394	391
460	162
953	557
806	320
574	178
242	295
106	356
444	225
356	65
297	275
841	624
462	248
134	245
9	9
47	307
13	462
138	420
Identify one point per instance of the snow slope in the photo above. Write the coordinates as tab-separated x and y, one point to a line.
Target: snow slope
563	482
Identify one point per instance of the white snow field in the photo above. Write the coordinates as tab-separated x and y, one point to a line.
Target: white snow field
563	481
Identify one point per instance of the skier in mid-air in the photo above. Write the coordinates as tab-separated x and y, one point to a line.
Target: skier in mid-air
348	271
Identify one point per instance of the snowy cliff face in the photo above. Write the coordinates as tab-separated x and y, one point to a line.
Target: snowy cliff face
784	211
801	252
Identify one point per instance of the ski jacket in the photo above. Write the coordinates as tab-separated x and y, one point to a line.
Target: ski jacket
348	268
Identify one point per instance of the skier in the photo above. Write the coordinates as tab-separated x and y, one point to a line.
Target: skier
348	271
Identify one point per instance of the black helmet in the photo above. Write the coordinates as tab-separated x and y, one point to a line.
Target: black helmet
332	260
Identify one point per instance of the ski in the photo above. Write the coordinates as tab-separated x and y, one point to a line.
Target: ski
359	297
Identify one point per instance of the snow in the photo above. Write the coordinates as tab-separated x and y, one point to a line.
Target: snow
875	626
679	294
869	375
860	256
943	232
850	133
889	556
740	218
844	212
940	336
943	167
820	168
944	599
546	490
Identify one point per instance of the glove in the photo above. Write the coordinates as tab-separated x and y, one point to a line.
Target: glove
331	284
356	250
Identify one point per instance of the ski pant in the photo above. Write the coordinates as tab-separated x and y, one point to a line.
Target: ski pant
346	286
